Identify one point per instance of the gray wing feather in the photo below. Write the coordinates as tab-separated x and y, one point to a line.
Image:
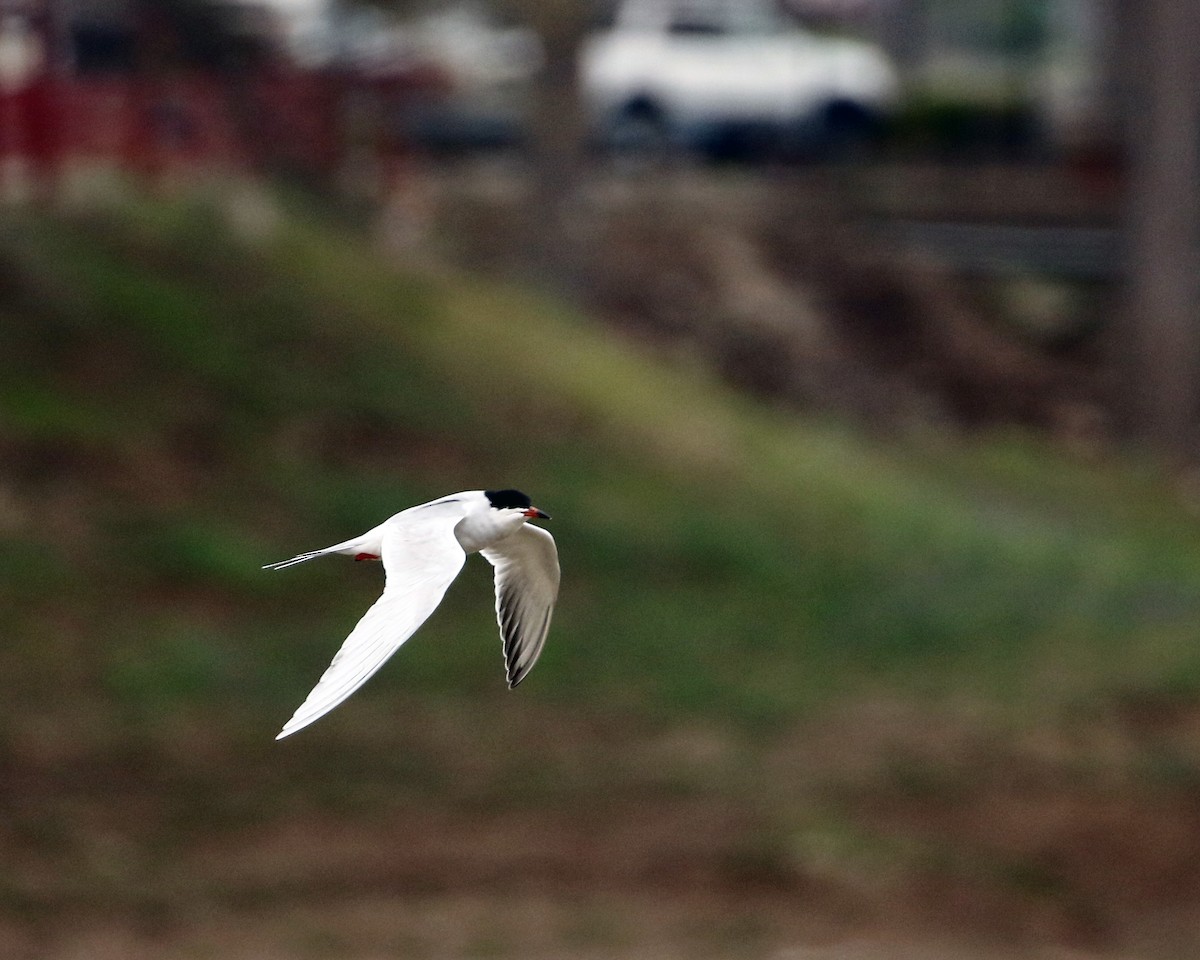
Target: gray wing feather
421	560
527	578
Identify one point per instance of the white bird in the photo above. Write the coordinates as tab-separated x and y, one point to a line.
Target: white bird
423	548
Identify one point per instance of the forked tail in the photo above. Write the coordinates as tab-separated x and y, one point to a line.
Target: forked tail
297	559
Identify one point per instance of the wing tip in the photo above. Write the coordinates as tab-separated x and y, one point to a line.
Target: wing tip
295	725
289	731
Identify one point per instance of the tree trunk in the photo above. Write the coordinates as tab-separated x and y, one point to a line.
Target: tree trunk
1162	326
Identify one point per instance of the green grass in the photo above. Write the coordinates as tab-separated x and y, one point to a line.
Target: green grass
181	405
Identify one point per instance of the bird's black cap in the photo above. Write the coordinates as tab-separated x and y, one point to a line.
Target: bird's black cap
500	499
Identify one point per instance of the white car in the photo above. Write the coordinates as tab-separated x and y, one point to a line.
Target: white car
722	75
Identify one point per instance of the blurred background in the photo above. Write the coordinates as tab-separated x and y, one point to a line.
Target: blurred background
852	345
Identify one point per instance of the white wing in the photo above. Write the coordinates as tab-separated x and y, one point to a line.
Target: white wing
421	558
526	587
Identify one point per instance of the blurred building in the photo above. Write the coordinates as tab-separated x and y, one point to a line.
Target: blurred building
181	89
1048	60
299	86
487	64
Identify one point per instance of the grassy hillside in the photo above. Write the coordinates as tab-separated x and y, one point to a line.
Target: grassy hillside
181	404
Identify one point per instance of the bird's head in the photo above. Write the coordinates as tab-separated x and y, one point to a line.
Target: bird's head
514	500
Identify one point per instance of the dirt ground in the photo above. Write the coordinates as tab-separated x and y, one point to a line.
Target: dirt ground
603	924
305	888
885	830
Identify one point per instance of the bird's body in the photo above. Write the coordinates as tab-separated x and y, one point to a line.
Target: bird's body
423	548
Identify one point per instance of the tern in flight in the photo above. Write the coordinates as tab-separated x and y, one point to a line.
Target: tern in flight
422	549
